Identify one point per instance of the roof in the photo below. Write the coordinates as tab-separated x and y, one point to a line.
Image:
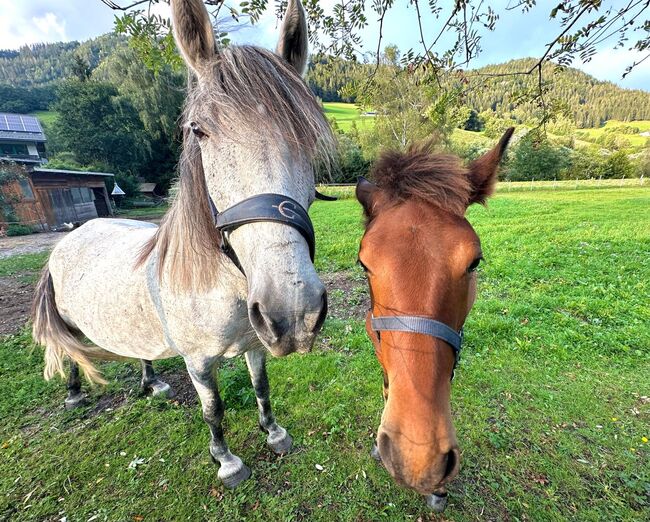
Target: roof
21	127
75	172
147	187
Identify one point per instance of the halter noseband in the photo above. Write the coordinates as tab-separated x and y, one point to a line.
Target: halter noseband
420	325
276	208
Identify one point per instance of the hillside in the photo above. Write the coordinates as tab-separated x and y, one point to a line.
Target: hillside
27	77
41	64
590	101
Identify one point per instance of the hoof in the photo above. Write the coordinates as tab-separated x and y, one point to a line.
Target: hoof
75	401
233	474
374	453
159	388
436	503
280	442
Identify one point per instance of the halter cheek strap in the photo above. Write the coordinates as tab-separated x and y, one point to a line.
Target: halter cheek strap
421	325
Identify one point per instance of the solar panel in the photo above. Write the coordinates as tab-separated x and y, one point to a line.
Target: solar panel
31	124
15	122
3	122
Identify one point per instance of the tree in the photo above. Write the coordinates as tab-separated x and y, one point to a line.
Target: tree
158	99
335	29
618	166
400	98
535	158
99	126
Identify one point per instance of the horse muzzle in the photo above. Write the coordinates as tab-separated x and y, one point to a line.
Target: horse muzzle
284	331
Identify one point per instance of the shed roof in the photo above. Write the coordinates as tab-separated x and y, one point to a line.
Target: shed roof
75	172
147	187
20	127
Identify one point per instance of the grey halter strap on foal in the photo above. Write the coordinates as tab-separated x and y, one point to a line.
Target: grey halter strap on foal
276	208
420	325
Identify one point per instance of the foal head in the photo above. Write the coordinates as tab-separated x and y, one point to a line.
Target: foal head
420	255
252	126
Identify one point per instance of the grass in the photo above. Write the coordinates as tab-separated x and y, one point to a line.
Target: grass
143	212
46	117
550	401
345	114
636	140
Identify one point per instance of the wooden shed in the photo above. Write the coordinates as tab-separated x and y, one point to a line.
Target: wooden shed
47	198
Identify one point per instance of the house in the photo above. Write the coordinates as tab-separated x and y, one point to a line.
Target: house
21	139
36	196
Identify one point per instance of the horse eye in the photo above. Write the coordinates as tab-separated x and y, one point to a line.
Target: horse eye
474	265
197	130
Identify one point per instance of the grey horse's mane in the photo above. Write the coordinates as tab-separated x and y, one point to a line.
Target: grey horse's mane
244	90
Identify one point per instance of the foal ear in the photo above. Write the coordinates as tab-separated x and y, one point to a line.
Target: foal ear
483	171
293	45
365	193
193	33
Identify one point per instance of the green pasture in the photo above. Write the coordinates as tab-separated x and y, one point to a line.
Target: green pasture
636	140
46	117
345	114
551	400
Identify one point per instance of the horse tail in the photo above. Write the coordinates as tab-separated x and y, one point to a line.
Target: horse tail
50	330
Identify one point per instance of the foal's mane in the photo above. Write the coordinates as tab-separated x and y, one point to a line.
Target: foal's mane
419	172
244	92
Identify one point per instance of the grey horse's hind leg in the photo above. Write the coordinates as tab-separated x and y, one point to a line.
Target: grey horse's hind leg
232	470
151	383
75	396
278	440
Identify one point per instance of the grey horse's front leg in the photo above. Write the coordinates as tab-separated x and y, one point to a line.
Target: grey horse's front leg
278	440
75	397
152	384
232	470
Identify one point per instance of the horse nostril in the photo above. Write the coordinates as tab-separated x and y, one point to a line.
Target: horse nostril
262	321
451	467
323	313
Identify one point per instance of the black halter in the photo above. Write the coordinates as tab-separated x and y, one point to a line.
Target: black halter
420	325
272	207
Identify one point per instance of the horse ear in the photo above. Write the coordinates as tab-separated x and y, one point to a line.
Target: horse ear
365	193
483	171
193	32
293	45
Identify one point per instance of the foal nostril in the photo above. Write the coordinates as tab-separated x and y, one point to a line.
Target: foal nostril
451	467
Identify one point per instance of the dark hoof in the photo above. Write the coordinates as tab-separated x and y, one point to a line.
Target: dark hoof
75	401
159	388
374	453
436	503
280	444
232	478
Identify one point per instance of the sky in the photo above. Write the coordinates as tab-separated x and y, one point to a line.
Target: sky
517	35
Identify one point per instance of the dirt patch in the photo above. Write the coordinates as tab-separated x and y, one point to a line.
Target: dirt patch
184	391
15	302
347	294
42	241
31	244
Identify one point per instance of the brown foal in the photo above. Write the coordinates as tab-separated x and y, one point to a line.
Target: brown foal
421	255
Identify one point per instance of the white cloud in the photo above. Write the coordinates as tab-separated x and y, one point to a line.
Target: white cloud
18	28
610	64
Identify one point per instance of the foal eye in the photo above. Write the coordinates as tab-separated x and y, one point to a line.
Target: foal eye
474	265
197	130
